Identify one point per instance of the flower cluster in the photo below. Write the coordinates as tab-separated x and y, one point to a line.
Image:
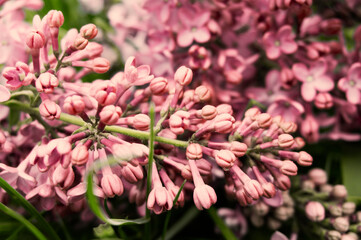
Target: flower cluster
224	41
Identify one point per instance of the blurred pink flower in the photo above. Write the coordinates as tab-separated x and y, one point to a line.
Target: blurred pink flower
352	84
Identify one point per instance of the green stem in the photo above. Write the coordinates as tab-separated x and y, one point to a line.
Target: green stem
184	221
226	232
150	167
23	220
170	212
116	129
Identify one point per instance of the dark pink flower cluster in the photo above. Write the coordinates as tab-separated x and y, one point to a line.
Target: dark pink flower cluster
234	47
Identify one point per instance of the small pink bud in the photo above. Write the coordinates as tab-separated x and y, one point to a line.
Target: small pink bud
331	26
304	159
158	85
132	173
285	140
239	149
264	120
79	43
287	78
112	185
141	122
309	129
252	113
253	189
49	110
283	182
64	177
89	31
223	123
318	176
194	151
35	39
183	76
101	65
324	101
339	192
299	142
225	159
202	93
110	114
269	189
55	18
348	208
341	224
204	196
289	168
104	92
288	127
224	108
209	112
315	211
74	104
79	155
46	82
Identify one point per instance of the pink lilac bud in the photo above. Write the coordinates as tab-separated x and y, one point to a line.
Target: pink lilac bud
339	192
179	121
331	26
49	110
204	196
74	104
194	151
224	108
159	198
243	198
324	101
80	155
63	177
46	82
223	123
141	122
104	92
333	235
348	208
304	159
183	76
100	65
110	114
225	159
309	129
209	112
35	39
239	149
79	43
137	194
55	18
172	188
318	176
89	31
315	211
132	173
341	224
264	120
158	85
287	78
285	140
202	94
111	185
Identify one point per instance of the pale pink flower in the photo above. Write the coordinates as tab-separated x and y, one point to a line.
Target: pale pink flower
280	42
352	84
289	109
313	79
194	21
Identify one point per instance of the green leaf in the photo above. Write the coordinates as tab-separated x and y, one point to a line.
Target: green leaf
14	117
99	212
23	220
104	231
226	232
350	167
30	209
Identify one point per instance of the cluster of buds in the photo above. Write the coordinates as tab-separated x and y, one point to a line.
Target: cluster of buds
336	217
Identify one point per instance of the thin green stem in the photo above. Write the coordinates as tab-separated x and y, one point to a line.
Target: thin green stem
226	232
184	221
23	220
169	213
115	129
150	167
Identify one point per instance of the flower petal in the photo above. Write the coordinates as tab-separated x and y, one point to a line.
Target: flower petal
323	83
300	71
308	92
353	95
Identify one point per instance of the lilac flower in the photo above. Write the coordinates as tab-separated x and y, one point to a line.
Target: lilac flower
313	78
352	84
280	42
